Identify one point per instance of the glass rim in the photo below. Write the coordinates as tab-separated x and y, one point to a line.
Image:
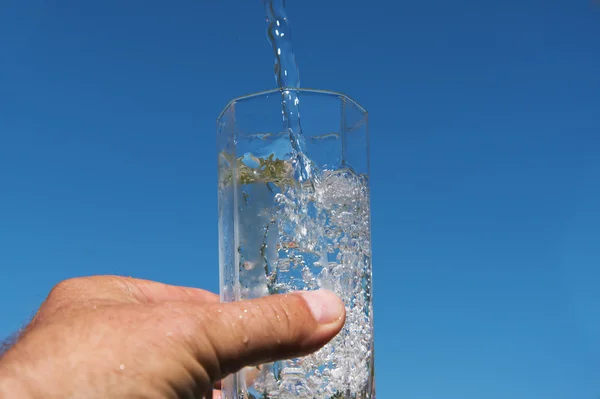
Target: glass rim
299	90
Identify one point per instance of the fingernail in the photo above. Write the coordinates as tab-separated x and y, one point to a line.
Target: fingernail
325	306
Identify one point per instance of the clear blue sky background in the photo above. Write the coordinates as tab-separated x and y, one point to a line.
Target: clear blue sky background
485	131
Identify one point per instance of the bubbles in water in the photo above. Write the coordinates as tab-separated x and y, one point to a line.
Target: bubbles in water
328	247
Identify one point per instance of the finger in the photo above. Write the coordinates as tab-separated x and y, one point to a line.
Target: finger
81	293
267	329
127	289
151	292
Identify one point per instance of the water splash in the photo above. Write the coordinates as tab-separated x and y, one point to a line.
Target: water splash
287	76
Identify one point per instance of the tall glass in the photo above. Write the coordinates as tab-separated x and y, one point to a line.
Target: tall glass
279	233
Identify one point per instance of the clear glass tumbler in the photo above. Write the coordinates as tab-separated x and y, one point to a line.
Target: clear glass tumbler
279	234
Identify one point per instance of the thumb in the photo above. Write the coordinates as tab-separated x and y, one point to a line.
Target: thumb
271	328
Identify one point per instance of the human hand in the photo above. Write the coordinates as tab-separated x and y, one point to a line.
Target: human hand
116	337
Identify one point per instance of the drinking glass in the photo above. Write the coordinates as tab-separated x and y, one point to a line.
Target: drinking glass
280	233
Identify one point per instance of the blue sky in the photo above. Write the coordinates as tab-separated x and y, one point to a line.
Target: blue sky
485	145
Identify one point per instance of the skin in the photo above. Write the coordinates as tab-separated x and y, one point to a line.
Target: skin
116	337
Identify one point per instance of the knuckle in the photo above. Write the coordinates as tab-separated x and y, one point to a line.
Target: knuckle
285	320
63	288
57	299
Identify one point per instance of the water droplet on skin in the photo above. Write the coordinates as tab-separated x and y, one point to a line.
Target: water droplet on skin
241	316
169	334
245	310
122	367
245	340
